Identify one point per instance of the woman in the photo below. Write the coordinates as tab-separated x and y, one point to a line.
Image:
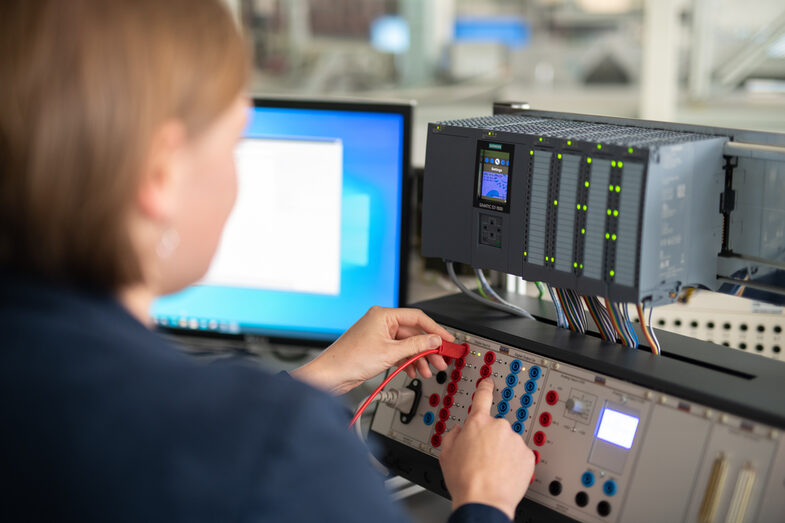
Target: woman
116	177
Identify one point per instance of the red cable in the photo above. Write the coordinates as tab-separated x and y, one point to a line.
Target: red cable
388	380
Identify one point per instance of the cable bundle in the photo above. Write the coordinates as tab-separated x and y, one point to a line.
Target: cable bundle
600	316
622	325
648	332
561	318
494	301
572	309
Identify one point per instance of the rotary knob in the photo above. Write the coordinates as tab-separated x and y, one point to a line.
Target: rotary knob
574	405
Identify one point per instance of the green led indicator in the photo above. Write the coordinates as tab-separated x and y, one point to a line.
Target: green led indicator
489	133
569	142
610	188
553	259
558	156
555	202
615	212
613	237
525	253
586	183
584	206
583	231
607	236
588	160
578	206
531	153
630	150
613	163
609	212
618	188
540	138
612	273
438	127
620	165
581	266
599	146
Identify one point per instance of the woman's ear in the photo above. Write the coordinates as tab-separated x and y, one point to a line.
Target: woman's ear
163	173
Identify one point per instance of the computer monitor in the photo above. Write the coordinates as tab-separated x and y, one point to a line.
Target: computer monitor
317	235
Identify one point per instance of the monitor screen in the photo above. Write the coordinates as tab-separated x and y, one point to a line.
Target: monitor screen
316	235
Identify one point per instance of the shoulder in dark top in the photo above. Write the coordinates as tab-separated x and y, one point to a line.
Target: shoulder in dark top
104	421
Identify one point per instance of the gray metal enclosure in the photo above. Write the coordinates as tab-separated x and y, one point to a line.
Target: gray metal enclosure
631	210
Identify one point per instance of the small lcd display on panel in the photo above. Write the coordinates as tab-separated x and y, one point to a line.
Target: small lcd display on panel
617	428
494	175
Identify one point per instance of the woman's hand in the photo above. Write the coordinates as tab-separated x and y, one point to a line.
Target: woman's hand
382	338
485	461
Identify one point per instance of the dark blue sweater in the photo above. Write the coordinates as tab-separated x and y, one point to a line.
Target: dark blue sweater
102	420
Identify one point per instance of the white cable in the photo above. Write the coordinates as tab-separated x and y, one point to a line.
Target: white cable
561	319
498	306
495	295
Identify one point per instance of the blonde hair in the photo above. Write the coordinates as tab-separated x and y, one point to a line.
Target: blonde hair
85	85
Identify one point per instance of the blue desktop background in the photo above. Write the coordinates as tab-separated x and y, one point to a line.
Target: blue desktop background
370	236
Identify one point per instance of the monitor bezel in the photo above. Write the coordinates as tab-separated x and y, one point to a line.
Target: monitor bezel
405	109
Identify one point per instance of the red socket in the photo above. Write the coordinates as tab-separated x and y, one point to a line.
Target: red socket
455	375
460	363
536	456
434	399
447	360
452	388
444	414
436	440
539	438
490	357
447	401
551	397
485	371
545	419
439	427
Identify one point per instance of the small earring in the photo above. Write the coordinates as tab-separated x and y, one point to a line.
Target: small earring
168	243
